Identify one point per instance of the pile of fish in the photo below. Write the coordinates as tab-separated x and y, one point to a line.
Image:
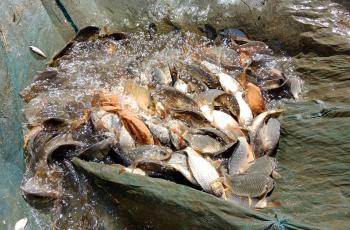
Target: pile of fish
178	106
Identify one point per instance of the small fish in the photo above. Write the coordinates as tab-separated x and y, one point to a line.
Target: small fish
228	83
245	114
181	86
241	158
161	75
204	173
38	51
295	85
192	117
152	30
21	224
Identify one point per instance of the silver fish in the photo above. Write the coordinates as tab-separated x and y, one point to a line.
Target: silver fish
37	51
271	135
228	83
203	144
204	173
264	165
245	113
178	161
21	224
222	121
159	132
241	158
251	185
126	142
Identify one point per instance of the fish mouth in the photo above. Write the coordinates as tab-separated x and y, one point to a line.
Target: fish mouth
39	195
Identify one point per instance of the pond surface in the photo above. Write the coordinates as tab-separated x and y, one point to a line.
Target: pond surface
313	155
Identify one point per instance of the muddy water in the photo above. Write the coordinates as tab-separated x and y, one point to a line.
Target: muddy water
313	154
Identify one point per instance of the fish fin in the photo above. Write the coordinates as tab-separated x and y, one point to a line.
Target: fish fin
250	201
273	204
242	79
275	175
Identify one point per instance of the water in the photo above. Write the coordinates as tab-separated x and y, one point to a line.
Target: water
313	154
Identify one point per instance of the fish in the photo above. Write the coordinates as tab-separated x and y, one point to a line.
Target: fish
252	47
204	173
271	135
203	144
234	33
255	99
209	31
254	130
161	75
87	33
21	224
59	146
222	56
177	129
149	152
228	83
66	50
222	121
251	185
168	97
159	132
126	142
152	30
215	133
38	51
264	165
245	117
141	94
181	86
98	150
104	121
178	161
136	127
241	158
191	117
295	86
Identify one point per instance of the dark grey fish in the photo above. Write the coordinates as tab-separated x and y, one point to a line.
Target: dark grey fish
87	33
97	151
192	117
63	52
169	97
209	31
215	133
152	30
